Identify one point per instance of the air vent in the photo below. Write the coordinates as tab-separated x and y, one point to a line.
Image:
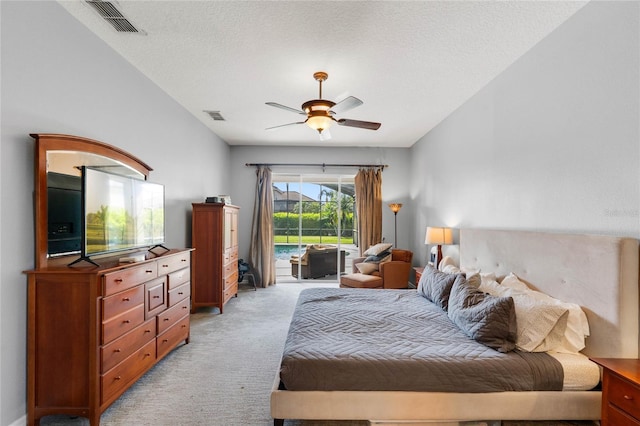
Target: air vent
215	115
112	15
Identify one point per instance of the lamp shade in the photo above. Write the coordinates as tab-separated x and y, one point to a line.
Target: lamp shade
395	207
438	236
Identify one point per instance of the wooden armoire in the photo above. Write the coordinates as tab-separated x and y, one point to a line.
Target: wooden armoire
214	272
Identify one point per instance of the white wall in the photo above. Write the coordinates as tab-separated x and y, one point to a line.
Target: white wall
58	77
395	179
551	144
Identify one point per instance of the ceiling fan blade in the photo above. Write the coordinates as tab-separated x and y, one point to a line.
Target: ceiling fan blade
346	104
357	123
284	125
297	111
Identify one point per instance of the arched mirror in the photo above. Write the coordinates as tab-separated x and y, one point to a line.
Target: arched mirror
58	163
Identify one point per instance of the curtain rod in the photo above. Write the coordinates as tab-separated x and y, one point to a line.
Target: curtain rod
323	165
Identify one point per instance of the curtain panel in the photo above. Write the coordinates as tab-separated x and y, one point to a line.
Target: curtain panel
368	188
261	249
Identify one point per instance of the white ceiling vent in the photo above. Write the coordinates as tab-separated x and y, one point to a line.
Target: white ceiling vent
215	115
113	16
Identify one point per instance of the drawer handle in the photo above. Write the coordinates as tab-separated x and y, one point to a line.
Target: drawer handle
147	354
118	280
628	397
149	271
185	307
117	378
116	350
165	266
147	331
166	319
165	340
125	299
183	260
180	292
126	321
184	326
156	297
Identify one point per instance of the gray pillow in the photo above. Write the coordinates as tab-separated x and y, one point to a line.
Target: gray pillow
436	285
490	320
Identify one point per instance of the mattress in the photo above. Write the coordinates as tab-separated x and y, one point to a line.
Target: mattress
360	339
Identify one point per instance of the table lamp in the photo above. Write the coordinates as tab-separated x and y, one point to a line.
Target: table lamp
438	236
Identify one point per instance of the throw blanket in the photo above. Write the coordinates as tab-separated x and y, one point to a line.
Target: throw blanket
361	339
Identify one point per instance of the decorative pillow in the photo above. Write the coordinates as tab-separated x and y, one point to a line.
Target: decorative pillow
377	258
577	327
367	268
436	285
541	324
487	319
377	249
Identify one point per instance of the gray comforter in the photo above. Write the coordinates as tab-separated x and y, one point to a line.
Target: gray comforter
360	339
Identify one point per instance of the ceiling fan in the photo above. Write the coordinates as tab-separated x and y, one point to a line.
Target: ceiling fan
320	112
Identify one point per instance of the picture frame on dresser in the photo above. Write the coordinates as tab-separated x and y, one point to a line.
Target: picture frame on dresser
95	328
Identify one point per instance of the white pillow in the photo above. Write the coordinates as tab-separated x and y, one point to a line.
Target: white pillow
377	249
577	324
541	324
367	268
447	261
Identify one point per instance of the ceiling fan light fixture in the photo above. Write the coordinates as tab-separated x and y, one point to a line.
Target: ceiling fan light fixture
318	114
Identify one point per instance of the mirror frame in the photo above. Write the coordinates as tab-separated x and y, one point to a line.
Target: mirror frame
46	142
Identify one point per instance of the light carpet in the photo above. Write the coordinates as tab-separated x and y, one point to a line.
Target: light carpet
225	374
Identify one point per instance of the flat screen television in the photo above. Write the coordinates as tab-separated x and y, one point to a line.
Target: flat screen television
119	213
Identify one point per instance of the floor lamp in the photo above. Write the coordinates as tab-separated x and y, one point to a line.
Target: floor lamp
395	208
438	236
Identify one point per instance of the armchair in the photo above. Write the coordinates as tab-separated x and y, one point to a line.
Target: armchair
392	274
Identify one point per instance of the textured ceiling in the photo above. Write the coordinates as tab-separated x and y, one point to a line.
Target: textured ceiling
412	63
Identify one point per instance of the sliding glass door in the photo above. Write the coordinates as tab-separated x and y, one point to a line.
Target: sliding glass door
314	226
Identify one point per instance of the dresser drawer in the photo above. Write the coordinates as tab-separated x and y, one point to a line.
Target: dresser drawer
230	290
229	269
172	315
179	277
130	277
230	280
118	325
230	255
616	417
177	294
116	351
155	300
624	395
172	336
121	302
119	377
173	263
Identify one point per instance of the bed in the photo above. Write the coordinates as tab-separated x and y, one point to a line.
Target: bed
599	273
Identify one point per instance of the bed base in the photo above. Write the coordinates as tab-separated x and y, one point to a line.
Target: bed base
387	407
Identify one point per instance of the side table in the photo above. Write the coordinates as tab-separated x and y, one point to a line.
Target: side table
620	391
418	270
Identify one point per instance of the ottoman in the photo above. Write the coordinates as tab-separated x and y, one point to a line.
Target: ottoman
361	281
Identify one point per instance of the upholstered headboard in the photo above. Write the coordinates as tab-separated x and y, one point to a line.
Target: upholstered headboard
599	273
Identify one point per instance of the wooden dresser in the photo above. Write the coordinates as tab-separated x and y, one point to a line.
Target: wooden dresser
214	278
620	391
94	331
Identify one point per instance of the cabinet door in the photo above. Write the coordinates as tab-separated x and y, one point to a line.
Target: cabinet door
230	228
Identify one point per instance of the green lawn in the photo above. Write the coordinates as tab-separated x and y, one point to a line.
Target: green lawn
282	239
